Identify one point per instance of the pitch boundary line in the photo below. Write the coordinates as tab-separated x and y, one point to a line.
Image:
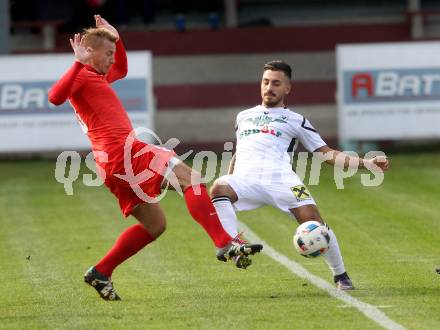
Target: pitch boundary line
368	310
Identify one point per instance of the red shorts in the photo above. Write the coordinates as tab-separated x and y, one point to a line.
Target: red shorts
130	186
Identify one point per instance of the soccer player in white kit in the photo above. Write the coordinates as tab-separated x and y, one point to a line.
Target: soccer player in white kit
261	173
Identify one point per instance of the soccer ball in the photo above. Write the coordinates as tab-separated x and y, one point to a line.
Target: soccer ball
311	239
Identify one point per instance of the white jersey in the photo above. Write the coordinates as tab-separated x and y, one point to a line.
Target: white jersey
265	136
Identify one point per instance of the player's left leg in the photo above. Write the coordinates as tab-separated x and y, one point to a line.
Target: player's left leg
199	204
133	239
151	225
202	210
333	256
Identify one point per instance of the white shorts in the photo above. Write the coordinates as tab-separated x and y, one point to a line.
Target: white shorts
286	195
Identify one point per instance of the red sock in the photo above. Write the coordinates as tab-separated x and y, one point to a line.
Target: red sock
131	241
202	210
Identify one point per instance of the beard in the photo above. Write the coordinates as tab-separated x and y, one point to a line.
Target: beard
270	103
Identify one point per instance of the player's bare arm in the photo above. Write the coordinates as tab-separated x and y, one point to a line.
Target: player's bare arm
231	165
379	161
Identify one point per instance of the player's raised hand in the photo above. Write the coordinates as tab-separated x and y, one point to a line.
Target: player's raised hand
380	161
82	53
102	23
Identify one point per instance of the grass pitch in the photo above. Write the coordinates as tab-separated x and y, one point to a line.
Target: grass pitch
388	236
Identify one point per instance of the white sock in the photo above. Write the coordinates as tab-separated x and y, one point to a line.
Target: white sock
226	214
333	256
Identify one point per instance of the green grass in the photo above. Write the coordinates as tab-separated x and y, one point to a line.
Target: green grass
388	235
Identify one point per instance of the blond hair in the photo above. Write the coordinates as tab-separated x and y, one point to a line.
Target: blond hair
93	37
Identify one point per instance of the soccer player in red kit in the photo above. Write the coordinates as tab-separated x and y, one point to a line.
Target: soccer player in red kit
100	60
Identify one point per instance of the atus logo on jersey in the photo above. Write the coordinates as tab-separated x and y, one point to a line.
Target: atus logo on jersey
266	120
391	85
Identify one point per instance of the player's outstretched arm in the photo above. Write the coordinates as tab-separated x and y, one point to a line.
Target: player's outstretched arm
68	84
120	68
338	158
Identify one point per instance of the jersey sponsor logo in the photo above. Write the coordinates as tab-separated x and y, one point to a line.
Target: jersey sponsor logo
391	85
266	120
263	130
301	193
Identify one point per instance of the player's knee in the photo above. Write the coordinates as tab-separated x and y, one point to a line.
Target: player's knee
160	229
215	189
187	182
157	228
196	178
307	213
186	176
219	188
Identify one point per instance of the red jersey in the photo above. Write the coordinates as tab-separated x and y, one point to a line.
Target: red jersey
104	119
97	107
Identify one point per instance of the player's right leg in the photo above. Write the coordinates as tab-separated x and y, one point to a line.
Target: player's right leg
223	196
151	225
